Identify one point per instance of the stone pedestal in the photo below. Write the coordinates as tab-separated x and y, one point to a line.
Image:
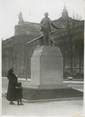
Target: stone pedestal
47	76
46	68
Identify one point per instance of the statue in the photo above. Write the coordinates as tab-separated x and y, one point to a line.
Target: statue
20	18
46	24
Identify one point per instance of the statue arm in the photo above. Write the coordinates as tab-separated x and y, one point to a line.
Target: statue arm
41	25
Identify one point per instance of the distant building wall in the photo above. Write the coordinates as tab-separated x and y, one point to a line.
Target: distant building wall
16	52
27	28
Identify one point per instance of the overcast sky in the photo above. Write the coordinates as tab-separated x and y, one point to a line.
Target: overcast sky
33	11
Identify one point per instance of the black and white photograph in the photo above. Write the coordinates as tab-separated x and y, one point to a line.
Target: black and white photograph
42	58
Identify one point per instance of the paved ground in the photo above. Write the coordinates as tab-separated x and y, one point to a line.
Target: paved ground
64	108
49	108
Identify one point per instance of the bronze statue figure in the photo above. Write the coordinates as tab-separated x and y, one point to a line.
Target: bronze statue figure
46	24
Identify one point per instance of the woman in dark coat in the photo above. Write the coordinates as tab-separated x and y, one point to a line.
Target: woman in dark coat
11	93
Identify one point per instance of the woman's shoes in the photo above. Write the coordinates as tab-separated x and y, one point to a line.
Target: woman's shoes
12	103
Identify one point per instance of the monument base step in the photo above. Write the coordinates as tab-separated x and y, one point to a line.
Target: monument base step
47	86
37	94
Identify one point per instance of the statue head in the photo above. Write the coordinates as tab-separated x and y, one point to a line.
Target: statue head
46	14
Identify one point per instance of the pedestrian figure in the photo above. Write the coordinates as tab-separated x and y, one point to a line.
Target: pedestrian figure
11	92
46	24
19	93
